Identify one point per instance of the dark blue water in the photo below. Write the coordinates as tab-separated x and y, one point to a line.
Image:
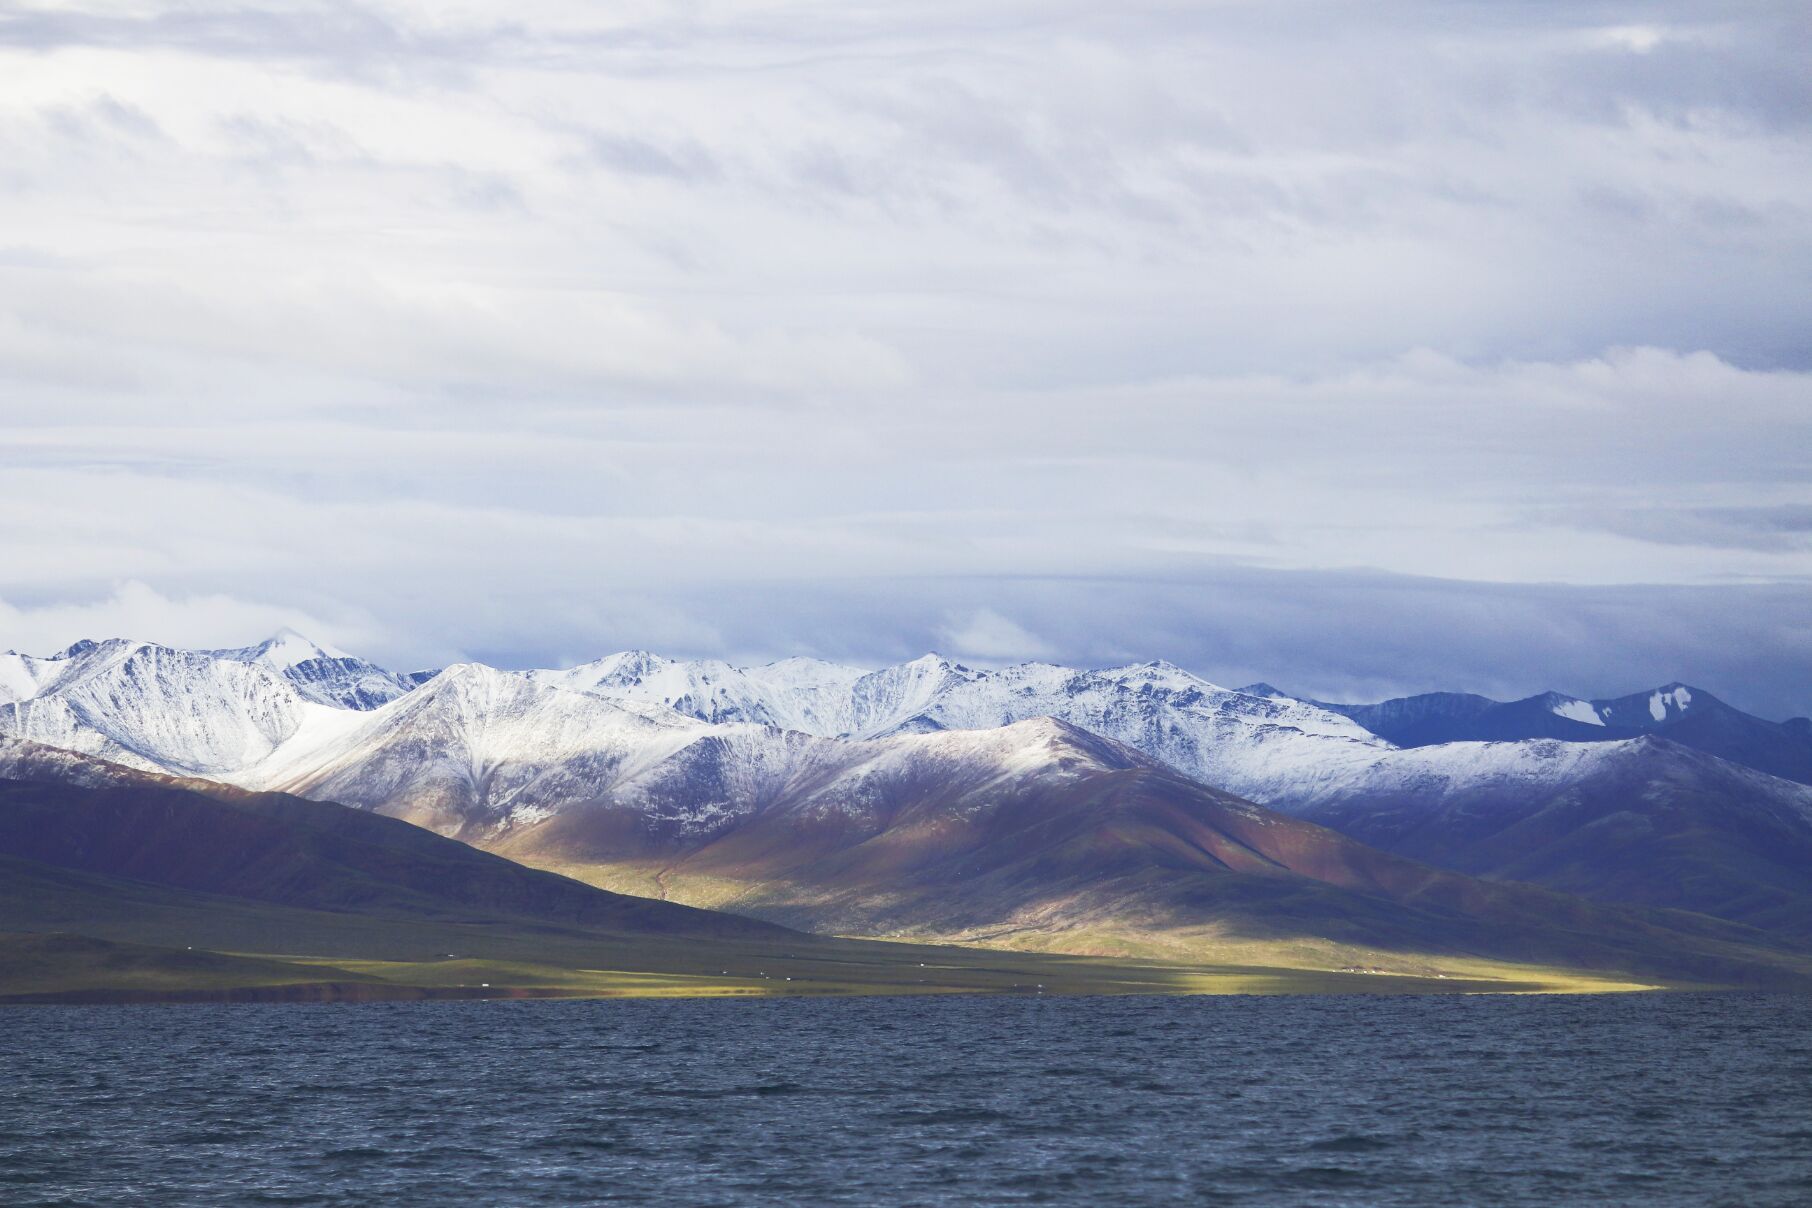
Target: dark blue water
1651	1100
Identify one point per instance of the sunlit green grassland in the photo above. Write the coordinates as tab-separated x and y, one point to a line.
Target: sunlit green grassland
155	943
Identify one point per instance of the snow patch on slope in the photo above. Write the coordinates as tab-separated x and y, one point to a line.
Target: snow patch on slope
1575	710
1678	696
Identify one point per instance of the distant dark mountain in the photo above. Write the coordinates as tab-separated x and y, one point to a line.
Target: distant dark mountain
1697	719
1689	716
1642	820
1414	721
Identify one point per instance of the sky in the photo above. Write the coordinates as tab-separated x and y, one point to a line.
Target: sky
1362	349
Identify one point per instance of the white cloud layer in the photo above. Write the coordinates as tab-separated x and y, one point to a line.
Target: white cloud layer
442	332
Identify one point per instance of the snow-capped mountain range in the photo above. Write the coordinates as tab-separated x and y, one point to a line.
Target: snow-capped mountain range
674	753
271	714
1232	740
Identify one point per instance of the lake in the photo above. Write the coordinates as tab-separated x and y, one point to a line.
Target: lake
1637	1099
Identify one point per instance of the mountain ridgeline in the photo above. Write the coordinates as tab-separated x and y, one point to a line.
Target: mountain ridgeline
1137	809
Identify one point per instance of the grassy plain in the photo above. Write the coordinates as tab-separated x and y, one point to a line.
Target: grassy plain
77	937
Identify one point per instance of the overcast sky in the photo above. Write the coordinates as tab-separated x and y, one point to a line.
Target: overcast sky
1362	348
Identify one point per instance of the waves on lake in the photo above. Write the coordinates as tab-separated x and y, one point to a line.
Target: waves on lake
1649	1099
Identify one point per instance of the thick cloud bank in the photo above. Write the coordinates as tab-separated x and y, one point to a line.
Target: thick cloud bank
1360	348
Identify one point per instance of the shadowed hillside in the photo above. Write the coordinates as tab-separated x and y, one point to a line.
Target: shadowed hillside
293	852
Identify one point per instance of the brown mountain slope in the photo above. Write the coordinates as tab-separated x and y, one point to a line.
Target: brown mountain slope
1090	847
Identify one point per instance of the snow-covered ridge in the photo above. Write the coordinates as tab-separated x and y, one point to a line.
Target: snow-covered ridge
694	744
152	707
803	694
1238	741
478	745
1156	707
480	752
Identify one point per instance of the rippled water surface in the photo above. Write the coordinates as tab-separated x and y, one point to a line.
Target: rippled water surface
1642	1099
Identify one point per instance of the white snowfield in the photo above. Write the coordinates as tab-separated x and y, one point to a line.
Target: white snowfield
693	745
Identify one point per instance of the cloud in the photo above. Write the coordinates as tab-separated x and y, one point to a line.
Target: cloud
136	610
543	532
986	635
1029	328
1782	527
1352	636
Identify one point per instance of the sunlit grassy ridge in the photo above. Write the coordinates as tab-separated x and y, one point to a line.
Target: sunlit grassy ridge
146	941
70	968
1212	950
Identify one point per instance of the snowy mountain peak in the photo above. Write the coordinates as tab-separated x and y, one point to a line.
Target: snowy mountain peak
456	676
625	668
1040	746
155	707
317	673
286	648
632	663
321	674
806	664
933	661
480	690
477	689
87	649
1061	740
1159	673
24	677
